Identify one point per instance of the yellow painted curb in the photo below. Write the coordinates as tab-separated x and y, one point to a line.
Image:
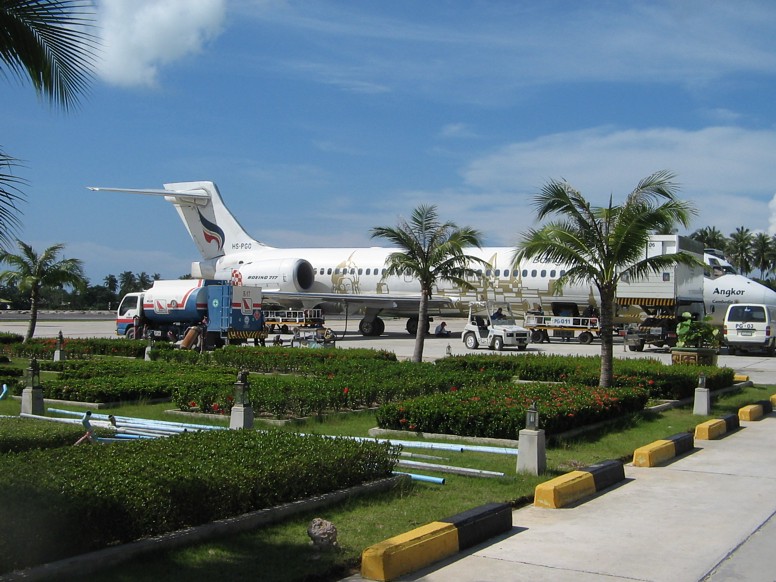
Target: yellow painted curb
773	399
740	378
564	489
409	551
710	430
654	454
750	412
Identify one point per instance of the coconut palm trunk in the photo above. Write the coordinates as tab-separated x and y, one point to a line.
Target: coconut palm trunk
420	334
34	301
607	339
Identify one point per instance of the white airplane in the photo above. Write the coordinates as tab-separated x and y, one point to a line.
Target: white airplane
355	278
724	286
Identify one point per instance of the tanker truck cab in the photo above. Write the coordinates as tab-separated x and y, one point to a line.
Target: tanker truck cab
130	307
750	327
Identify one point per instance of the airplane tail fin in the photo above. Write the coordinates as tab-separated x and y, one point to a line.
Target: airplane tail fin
211	225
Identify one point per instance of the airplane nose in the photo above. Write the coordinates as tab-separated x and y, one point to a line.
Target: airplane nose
769	295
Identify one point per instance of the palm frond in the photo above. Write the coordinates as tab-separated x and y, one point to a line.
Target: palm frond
51	44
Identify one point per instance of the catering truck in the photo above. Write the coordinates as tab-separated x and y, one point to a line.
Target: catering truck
664	296
211	313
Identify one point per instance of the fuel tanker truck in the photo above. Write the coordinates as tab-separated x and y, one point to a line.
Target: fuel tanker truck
196	311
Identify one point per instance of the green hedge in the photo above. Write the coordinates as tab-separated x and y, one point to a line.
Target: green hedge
127	380
19	434
10	338
61	502
499	412
321	383
44	348
664	381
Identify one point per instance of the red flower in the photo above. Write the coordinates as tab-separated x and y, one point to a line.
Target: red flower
192	404
345	390
453	389
403	421
651	382
412	427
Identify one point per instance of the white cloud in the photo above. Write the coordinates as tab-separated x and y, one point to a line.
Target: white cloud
140	36
457	131
504	48
724	171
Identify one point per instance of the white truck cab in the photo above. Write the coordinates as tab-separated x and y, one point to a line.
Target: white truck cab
492	325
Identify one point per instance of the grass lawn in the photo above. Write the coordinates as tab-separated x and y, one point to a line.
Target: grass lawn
283	552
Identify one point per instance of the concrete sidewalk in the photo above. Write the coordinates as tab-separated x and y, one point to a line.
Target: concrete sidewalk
704	516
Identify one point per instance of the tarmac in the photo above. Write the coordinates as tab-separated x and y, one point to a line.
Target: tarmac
706	515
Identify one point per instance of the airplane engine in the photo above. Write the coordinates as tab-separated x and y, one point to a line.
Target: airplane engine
289	275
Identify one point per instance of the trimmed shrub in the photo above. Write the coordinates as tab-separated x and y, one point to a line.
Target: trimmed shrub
499	412
66	501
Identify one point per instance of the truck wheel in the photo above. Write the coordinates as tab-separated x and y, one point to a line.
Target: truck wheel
586	337
471	341
498	343
537	336
379	326
636	348
129	333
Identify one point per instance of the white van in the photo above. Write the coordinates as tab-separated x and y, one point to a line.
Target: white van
750	326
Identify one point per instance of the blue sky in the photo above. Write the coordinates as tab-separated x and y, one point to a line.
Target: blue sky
319	120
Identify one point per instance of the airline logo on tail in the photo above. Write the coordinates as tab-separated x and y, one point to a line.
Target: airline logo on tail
212	232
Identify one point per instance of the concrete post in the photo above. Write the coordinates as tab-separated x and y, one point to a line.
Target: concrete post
59	352
32	401
702	402
32	395
242	411
532	454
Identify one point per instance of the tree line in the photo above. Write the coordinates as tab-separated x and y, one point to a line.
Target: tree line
752	253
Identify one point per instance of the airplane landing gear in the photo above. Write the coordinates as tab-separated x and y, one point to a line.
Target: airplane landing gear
412	326
371	327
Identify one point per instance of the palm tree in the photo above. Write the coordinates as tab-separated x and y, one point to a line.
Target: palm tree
127	282
111	283
605	244
31	273
762	253
431	251
48	42
711	237
739	249
144	281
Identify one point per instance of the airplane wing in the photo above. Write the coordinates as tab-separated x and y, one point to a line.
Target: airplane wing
386	302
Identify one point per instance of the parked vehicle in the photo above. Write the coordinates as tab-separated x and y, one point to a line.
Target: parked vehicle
493	326
564	323
665	295
217	311
750	327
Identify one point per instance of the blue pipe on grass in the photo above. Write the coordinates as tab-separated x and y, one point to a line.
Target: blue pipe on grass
423	478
